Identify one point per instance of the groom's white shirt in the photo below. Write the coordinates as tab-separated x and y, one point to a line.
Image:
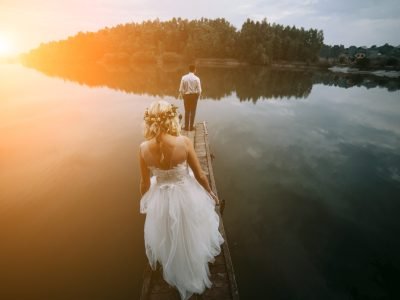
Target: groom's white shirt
190	84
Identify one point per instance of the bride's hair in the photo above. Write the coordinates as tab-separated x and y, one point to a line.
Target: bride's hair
161	117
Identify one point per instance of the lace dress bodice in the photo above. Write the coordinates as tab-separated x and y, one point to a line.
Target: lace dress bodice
175	175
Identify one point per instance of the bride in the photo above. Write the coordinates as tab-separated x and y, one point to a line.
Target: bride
181	227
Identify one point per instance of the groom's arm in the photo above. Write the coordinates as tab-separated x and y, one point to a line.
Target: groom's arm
199	86
181	87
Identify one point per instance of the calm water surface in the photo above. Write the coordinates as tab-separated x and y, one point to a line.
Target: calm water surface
309	165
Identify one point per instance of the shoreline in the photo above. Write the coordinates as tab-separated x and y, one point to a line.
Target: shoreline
375	72
232	63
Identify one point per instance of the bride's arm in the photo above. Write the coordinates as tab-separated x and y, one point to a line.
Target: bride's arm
194	164
145	175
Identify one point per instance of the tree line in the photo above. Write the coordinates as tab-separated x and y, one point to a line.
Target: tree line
328	51
385	56
257	42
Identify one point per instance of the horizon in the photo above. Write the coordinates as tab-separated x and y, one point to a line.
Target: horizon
24	26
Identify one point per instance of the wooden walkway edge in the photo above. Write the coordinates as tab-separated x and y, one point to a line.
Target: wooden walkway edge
222	273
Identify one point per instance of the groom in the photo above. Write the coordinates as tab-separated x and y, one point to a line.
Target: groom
190	89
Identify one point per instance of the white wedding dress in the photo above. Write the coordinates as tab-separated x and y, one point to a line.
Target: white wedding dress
181	227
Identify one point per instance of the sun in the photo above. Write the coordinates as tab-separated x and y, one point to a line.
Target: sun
6	47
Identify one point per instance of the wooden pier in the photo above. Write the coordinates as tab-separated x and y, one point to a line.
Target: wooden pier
222	274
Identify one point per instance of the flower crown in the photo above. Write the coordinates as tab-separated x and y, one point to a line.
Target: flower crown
160	118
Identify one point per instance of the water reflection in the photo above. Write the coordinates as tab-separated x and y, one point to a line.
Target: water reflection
312	191
311	186
69	216
250	83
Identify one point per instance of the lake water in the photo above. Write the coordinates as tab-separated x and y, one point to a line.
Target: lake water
308	163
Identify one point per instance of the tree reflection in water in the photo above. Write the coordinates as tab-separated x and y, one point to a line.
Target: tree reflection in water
250	83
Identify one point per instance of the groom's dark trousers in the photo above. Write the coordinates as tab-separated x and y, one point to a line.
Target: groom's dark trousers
190	103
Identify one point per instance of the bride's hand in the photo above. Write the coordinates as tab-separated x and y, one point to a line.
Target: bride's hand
216	200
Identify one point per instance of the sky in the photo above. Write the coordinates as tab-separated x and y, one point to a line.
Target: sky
24	24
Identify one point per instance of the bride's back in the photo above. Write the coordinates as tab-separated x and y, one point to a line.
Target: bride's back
166	153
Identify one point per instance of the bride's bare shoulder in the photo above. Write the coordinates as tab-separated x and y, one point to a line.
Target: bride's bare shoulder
145	145
186	140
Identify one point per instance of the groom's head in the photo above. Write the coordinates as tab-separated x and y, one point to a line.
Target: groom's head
192	68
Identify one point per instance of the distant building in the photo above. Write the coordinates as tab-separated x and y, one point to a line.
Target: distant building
359	55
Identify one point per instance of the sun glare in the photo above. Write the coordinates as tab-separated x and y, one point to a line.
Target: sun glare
5	46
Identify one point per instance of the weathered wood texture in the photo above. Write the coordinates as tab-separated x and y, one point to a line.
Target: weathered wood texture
222	274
